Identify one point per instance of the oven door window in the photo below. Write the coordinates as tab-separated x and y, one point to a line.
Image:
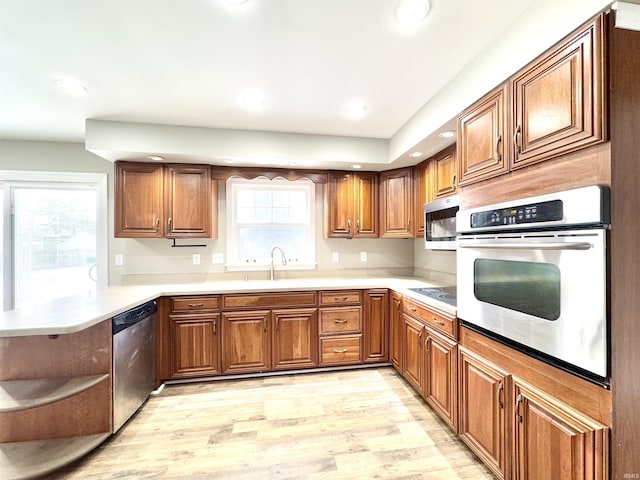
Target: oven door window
528	287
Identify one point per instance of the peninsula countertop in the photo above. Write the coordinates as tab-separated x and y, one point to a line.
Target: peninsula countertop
73	314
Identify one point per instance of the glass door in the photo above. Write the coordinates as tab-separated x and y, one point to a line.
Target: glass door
53	242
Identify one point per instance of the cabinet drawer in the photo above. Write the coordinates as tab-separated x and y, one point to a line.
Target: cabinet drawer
340	297
438	321
293	299
189	304
340	320
343	349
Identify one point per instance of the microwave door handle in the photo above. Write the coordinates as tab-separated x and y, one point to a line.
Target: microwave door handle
530	246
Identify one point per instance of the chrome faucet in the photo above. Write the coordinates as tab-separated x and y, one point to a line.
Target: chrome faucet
272	268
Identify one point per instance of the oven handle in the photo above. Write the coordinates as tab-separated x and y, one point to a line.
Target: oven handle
531	246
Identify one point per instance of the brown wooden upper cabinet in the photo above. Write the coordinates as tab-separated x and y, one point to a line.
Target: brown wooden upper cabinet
481	138
558	101
351	205
554	106
446	172
422	187
172	201
396	203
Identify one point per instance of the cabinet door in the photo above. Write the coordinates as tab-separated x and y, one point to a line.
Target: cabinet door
441	376
397	332
338	205
482	394
376	318
188	201
422	185
195	345
446	167
365	205
552	440
559	100
481	138
413	332
396	203
295	338
246	342
138	200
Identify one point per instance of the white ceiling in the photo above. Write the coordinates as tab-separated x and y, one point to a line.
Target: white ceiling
187	62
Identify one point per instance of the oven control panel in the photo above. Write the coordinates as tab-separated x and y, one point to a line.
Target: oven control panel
522	214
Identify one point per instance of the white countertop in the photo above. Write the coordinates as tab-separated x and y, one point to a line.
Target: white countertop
72	314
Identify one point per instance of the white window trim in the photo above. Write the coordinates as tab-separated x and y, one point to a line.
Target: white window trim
14	178
231	239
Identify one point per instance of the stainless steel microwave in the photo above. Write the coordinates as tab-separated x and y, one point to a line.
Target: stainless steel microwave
440	223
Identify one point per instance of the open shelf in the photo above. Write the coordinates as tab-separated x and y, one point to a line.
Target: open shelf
18	395
22	460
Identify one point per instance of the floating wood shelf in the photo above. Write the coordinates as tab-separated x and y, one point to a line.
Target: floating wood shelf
21	460
18	395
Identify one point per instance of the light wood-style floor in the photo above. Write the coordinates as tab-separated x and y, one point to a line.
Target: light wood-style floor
355	424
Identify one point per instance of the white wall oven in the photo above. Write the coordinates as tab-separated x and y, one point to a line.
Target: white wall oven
533	273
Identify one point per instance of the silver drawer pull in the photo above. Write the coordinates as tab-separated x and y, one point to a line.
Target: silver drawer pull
339	350
412	309
439	322
340	320
340	298
194	305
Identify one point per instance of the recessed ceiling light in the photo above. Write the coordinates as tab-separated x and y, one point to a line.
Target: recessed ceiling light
252	100
355	109
447	134
72	86
155	158
356	166
411	12
416	154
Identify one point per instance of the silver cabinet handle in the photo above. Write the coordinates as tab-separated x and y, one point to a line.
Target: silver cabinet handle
195	305
500	389
340	350
439	322
519	400
340	320
516	139
498	142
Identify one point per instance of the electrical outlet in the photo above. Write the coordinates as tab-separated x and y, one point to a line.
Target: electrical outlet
196	259
335	256
217	258
363	256
119	260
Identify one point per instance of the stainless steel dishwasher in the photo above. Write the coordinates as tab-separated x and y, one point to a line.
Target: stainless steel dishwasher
134	360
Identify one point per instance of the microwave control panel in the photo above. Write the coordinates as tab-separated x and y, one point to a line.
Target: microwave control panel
522	214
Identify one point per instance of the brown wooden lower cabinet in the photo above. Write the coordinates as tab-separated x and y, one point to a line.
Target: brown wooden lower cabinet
195	349
528	420
482	410
341	350
551	440
375	326
294	338
396	331
246	345
413	358
440	388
